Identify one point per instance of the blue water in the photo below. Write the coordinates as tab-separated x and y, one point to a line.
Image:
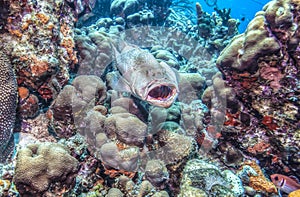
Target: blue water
239	9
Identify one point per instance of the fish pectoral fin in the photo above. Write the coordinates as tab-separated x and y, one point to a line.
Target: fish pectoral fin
117	82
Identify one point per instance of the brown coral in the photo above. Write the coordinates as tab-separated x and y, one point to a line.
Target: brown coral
262	67
40	165
259	182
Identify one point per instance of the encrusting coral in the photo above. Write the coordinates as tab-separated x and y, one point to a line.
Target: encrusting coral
41	39
261	67
257	179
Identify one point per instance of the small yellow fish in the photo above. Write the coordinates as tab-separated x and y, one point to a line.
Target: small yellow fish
285	183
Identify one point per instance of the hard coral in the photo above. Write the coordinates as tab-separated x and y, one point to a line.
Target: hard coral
156	172
262	68
40	53
259	182
69	109
40	165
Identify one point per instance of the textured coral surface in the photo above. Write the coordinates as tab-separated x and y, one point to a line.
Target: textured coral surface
262	67
81	130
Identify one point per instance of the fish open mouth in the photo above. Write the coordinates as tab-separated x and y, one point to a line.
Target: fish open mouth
162	93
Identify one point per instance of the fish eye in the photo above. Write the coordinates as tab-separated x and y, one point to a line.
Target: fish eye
276	178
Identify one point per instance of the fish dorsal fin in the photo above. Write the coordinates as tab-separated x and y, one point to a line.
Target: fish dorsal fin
117	82
295	179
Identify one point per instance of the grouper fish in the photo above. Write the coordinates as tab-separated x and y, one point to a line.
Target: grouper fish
139	73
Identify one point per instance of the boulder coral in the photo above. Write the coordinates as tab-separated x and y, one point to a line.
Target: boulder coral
74	102
156	172
127	127
40	165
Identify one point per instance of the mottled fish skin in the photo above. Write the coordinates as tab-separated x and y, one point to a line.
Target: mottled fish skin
285	183
8	104
151	81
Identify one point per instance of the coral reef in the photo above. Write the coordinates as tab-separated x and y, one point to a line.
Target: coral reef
140	12
40	165
215	31
207	180
156	172
8	99
4	14
42	46
256	179
262	68
69	110
78	136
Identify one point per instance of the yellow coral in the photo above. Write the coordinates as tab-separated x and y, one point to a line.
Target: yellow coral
295	193
65	29
5	184
69	45
42	17
260	183
16	32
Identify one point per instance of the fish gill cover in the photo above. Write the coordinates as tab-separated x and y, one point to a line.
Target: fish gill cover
91	97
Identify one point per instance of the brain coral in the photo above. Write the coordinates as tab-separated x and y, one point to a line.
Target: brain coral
8	99
39	165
